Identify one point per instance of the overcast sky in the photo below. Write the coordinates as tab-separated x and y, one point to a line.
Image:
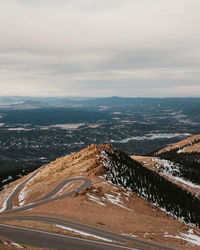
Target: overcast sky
146	48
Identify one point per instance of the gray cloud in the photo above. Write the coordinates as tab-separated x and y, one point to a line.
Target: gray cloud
99	47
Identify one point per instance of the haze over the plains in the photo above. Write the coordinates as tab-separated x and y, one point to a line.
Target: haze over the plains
147	48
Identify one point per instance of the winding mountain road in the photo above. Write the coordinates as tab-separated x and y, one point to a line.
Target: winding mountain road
41	238
49	197
9	203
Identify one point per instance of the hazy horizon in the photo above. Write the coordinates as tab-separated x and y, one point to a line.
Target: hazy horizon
84	97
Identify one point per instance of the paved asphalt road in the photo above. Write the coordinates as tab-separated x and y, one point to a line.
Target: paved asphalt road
110	236
58	241
17	189
48	198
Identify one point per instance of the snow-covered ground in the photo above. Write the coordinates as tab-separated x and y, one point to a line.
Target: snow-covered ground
171	171
151	137
66	126
115	198
24	191
181	150
190	237
84	233
95	199
8	179
19	129
22	196
16	245
12	244
4	205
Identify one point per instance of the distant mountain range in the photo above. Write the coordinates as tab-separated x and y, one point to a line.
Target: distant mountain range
97	101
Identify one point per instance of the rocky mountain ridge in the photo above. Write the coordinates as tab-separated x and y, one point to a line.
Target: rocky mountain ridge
120	169
122	188
186	158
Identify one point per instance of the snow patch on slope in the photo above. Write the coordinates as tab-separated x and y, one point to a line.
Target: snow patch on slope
95	199
24	191
10	244
8	179
190	237
171	170
5	201
4	205
83	233
22	196
116	200
167	166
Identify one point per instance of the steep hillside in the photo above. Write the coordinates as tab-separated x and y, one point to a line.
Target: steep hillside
128	173
178	163
118	168
124	198
185	156
189	145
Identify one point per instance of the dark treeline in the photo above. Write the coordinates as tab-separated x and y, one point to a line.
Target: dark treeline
189	164
50	116
128	173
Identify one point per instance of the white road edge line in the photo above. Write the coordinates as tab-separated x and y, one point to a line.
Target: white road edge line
66	236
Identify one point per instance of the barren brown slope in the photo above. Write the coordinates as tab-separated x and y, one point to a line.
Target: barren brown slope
188	145
102	205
